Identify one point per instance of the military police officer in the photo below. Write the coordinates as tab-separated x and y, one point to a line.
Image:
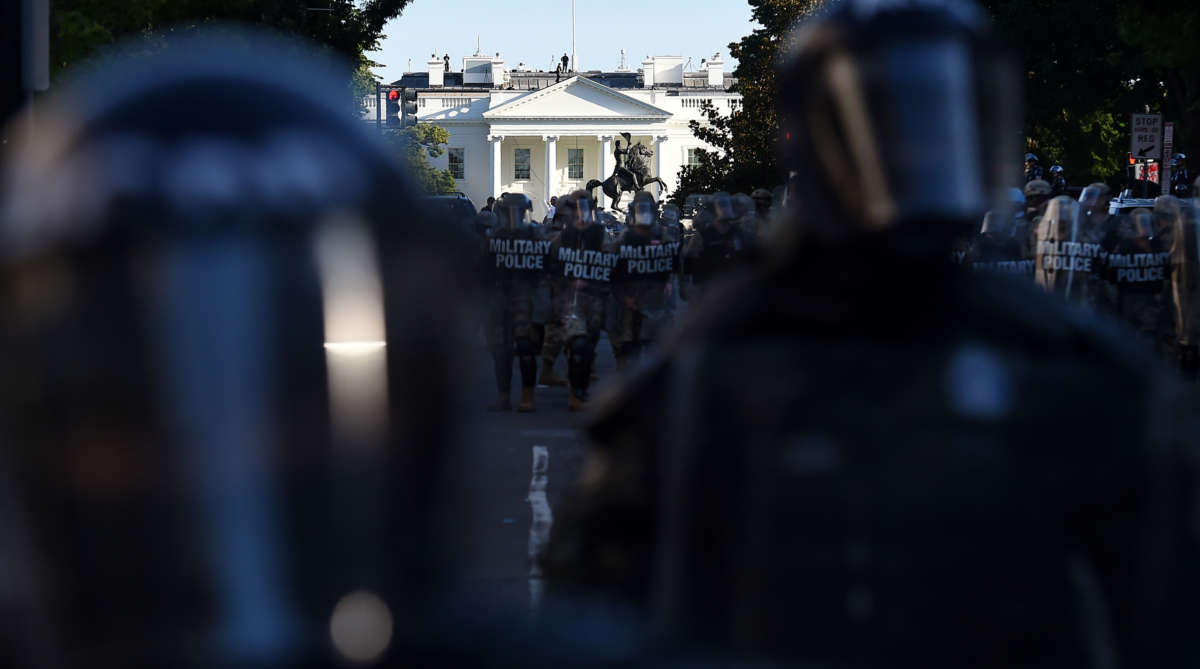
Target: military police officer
642	284
582	265
867	444
517	264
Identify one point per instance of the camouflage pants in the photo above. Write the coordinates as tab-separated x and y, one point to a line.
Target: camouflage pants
554	340
580	311
510	331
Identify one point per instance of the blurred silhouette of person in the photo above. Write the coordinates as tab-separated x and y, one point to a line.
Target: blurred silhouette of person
234	390
869	456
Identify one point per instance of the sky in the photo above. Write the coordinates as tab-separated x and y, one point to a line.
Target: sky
534	31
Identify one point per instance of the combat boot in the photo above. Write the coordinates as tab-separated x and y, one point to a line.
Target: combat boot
548	378
575	402
526	404
502	403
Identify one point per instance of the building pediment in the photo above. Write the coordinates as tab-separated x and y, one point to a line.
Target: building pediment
576	98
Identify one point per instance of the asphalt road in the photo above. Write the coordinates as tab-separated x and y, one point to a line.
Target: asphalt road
508	480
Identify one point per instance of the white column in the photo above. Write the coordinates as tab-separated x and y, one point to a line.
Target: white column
660	145
551	166
496	141
606	167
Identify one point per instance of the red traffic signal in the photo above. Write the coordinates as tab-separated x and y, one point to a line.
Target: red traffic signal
393	95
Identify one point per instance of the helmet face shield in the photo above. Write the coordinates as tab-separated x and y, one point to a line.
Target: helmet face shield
900	114
643	214
1142	224
723	206
923	100
583	209
514	212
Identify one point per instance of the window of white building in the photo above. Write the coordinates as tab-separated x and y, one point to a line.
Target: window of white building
693	158
457	162
574	163
520	164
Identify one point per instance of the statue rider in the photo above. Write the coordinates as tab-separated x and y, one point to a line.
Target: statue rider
622	170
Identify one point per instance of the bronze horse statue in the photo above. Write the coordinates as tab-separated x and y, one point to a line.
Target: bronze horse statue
631	180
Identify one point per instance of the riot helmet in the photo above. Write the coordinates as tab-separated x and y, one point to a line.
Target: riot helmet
1016	198
1056	171
743	205
513	211
871	89
722	207
1030	160
579	208
216	449
669	216
1168	209
762	201
1093	200
1138	225
644	210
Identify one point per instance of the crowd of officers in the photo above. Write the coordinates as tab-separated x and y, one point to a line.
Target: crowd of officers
553	287
1136	265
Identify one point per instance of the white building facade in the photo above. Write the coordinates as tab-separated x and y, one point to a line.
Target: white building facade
522	132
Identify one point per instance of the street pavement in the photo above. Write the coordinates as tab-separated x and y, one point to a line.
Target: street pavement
506	483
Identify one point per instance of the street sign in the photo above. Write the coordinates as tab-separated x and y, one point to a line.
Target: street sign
1145	140
1168	152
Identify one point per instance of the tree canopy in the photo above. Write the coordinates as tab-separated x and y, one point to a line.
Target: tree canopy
1086	66
745	141
348	28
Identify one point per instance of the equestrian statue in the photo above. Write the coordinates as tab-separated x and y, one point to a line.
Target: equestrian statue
632	173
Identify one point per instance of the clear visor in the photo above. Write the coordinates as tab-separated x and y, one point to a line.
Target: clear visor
584	207
514	216
643	214
1089	199
723	206
927	93
1143	225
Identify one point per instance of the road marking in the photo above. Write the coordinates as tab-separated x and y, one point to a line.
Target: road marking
543	519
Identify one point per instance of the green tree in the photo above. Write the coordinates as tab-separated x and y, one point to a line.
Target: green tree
416	145
1164	33
746	140
1089	64
348	28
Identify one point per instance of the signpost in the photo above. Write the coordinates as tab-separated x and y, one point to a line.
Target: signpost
1145	138
1168	152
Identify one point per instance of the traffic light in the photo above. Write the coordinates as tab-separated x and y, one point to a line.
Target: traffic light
410	108
393	108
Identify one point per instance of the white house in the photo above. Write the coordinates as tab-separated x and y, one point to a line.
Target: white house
520	131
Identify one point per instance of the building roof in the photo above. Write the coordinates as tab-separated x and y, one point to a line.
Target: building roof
576	98
534	80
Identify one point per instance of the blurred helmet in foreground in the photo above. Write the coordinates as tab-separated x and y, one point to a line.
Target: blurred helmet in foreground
897	113
225	377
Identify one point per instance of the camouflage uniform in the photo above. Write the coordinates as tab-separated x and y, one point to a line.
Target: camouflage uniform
579	304
512	298
641	301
